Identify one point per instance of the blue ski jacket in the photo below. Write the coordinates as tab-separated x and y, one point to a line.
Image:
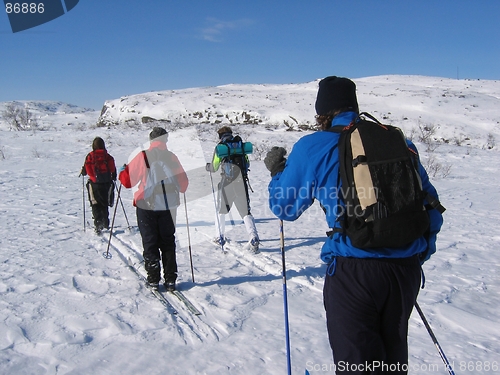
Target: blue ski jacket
312	172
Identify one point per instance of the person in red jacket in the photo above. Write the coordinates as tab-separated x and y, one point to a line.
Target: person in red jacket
100	167
159	178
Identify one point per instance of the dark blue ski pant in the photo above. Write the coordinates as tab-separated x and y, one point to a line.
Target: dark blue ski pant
158	240
368	303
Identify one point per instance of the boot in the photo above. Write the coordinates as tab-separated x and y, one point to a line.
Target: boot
253	243
153	270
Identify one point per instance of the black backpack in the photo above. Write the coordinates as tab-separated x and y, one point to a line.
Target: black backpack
235	163
381	186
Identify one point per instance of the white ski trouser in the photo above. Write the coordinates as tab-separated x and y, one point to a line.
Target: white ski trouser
250	227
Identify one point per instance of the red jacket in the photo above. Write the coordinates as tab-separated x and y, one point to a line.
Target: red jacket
90	160
136	172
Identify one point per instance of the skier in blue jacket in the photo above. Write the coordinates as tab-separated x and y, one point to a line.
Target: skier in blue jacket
368	296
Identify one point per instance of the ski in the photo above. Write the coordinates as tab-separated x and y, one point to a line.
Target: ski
186	302
214	242
163	300
155	292
230	245
161	297
224	247
251	249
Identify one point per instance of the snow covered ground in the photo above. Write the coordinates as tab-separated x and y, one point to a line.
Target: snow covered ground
65	309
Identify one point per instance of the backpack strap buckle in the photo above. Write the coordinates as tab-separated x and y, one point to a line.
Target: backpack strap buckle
360	159
434	203
331	232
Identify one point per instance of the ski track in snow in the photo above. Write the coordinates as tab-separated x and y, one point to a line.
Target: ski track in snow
65	309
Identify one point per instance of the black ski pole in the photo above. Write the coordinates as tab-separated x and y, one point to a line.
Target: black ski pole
434	339
83	201
285	299
106	254
124	212
189	237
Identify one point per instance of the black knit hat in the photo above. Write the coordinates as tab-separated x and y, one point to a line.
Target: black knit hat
156	133
336	93
98	144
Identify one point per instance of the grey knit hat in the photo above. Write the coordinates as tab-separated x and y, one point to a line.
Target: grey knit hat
156	133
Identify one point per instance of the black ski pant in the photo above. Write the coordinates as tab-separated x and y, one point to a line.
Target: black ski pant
99	197
368	303
157	230
100	214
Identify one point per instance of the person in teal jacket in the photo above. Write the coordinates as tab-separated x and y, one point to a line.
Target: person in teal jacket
368	296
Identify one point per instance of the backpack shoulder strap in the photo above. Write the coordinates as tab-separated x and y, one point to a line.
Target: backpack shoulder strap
336	129
145	158
371	117
106	155
156	157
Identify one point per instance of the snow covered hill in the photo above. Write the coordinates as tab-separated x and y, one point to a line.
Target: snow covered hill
49	114
65	309
459	110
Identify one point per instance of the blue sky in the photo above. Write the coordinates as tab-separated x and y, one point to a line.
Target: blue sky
105	49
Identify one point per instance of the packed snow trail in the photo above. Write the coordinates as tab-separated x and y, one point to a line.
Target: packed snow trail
64	309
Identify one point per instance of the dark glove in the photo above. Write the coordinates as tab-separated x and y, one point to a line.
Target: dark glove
275	160
83	172
209	167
